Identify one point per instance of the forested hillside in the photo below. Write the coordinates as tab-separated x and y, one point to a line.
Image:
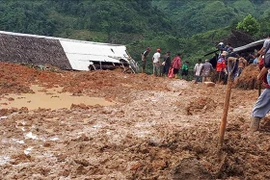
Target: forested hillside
191	27
92	20
196	16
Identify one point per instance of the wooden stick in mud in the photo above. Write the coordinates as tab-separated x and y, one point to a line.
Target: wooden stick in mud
260	81
227	99
260	88
225	112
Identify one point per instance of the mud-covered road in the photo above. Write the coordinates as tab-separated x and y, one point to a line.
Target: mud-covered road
153	128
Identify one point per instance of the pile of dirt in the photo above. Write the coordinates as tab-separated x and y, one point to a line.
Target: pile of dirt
200	105
189	169
158	128
17	78
248	78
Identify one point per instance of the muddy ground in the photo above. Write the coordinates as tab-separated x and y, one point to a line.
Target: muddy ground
154	128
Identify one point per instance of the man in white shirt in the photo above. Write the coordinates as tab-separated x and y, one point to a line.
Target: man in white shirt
197	71
156	63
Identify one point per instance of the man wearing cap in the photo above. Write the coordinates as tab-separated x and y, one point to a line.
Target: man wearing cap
221	67
144	55
156	63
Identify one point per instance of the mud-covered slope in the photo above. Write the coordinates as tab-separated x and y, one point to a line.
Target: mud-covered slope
159	128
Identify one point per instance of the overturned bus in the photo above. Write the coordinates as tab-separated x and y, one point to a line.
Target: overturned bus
68	54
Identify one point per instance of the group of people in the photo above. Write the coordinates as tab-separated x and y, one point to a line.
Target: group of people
262	58
165	66
222	66
202	72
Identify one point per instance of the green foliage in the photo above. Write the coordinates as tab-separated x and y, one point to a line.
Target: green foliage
193	16
60	17
264	27
189	27
31	17
249	25
243	5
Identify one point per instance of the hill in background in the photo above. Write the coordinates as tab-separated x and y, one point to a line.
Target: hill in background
197	16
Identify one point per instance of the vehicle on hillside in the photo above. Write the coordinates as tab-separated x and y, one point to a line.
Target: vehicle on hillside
68	54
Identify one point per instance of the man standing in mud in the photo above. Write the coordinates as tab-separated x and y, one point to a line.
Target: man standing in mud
144	55
166	64
221	68
197	70
262	106
156	63
207	69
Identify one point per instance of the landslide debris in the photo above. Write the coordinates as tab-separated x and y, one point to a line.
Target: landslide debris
160	128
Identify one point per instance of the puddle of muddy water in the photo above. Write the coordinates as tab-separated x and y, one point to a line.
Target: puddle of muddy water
49	98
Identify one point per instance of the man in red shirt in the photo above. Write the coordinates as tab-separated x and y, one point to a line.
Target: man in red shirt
176	65
221	66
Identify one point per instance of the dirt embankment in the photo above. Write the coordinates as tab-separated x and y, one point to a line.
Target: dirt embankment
158	128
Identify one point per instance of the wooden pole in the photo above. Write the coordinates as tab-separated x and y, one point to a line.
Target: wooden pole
260	81
225	112
227	99
260	88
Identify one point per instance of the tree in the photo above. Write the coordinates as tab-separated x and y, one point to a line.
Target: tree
249	25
